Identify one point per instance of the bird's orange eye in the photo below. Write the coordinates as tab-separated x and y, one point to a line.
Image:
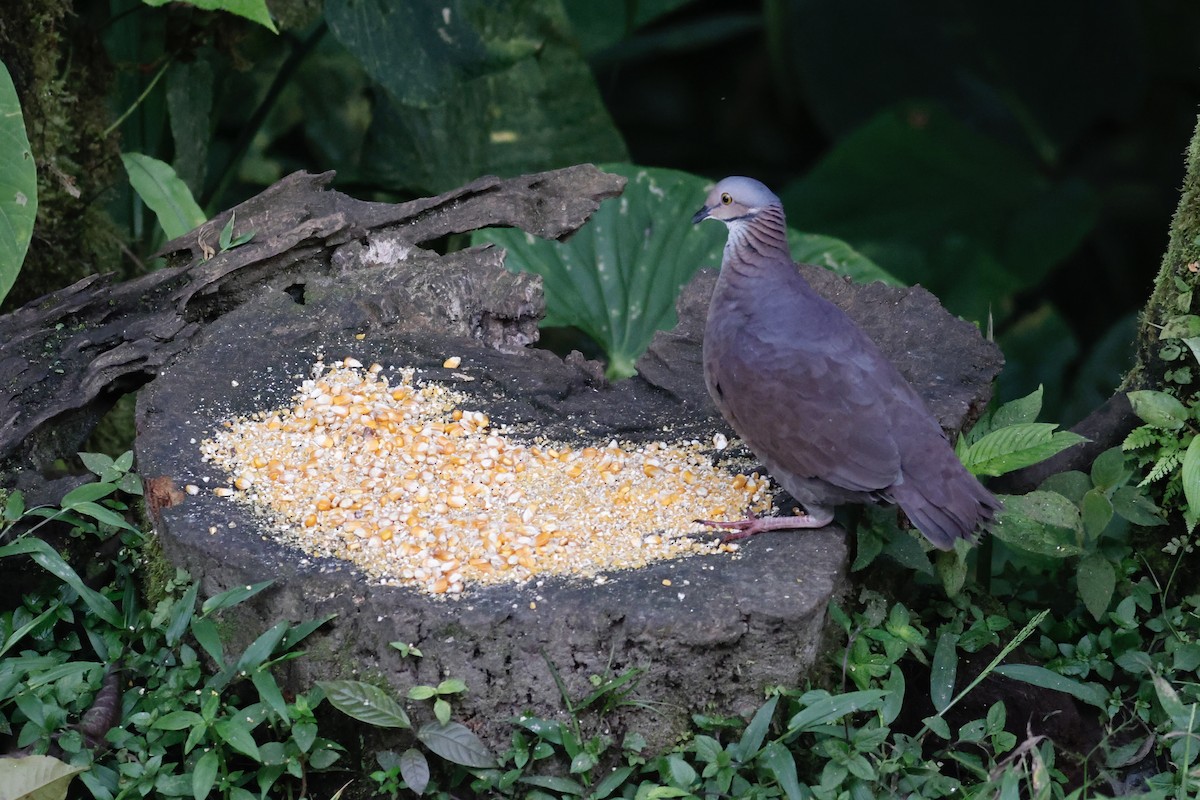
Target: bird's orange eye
726	199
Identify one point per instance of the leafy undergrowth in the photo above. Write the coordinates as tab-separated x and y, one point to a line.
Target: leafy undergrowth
1076	676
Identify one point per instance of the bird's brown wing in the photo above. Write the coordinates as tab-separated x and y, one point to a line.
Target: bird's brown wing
818	407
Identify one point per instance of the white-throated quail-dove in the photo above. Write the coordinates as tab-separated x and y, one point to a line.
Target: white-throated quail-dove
811	394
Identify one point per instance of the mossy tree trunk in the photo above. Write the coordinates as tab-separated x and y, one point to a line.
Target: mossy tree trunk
1168	343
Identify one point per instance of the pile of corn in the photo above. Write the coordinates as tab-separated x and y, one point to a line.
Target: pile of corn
398	478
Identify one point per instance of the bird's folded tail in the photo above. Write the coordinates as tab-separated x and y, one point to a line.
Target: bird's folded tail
946	502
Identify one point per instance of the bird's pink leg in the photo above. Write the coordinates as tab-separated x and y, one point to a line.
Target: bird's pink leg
744	528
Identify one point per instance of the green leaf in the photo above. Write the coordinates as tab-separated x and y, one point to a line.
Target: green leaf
414	769
601	25
1097	512
237	736
298	633
366	703
938	725
457	744
253	10
204	774
189	108
472	89
835	255
555	783
261	648
1017	446
1159	409
46	557
832	708
205	631
14	506
421	692
231	597
177	721
1016	412
681	773
1097	580
86	493
36	777
610	783
101	514
1136	507
304	734
782	765
613	279
1110	469
943	671
98	464
756	731
441	710
1190	475
181	615
451	686
895	186
165	194
1072	485
18	186
268	691
1040	522
1091	693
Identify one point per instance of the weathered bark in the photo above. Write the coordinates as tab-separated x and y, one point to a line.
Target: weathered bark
64	359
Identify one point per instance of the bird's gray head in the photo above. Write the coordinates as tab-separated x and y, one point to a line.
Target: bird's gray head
735	199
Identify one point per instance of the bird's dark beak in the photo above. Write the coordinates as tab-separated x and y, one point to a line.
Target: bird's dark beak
700	216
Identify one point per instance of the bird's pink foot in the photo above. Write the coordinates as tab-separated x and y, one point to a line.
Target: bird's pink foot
745	528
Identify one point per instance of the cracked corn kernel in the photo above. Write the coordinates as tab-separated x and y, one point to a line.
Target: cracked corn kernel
399	478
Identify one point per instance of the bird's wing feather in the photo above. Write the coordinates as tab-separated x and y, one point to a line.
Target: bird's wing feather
813	405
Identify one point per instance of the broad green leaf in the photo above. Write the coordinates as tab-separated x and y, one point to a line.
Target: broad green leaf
253	10
756	731
682	774
1017	446
780	762
611	782
1185	327
1097	512
1159	409
204	774
304	734
835	707
298	633
366	703
18	185
177	721
48	559
238	736
1190	475
87	492
457	744
14	506
930	199
1072	485
1097	580
231	597
1136	507
1015	412
473	88
832	254
1110	469
189	109
21	632
943	671
181	614
205	631
164	193
414	769
617	278
938	725
893	704
1091	693
555	783
98	464
261	648
907	550
268	691
1040	522
101	514
35	778
601	25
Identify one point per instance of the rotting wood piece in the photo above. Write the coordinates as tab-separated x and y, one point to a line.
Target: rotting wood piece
66	357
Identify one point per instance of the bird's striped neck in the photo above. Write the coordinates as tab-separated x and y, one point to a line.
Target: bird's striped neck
757	240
